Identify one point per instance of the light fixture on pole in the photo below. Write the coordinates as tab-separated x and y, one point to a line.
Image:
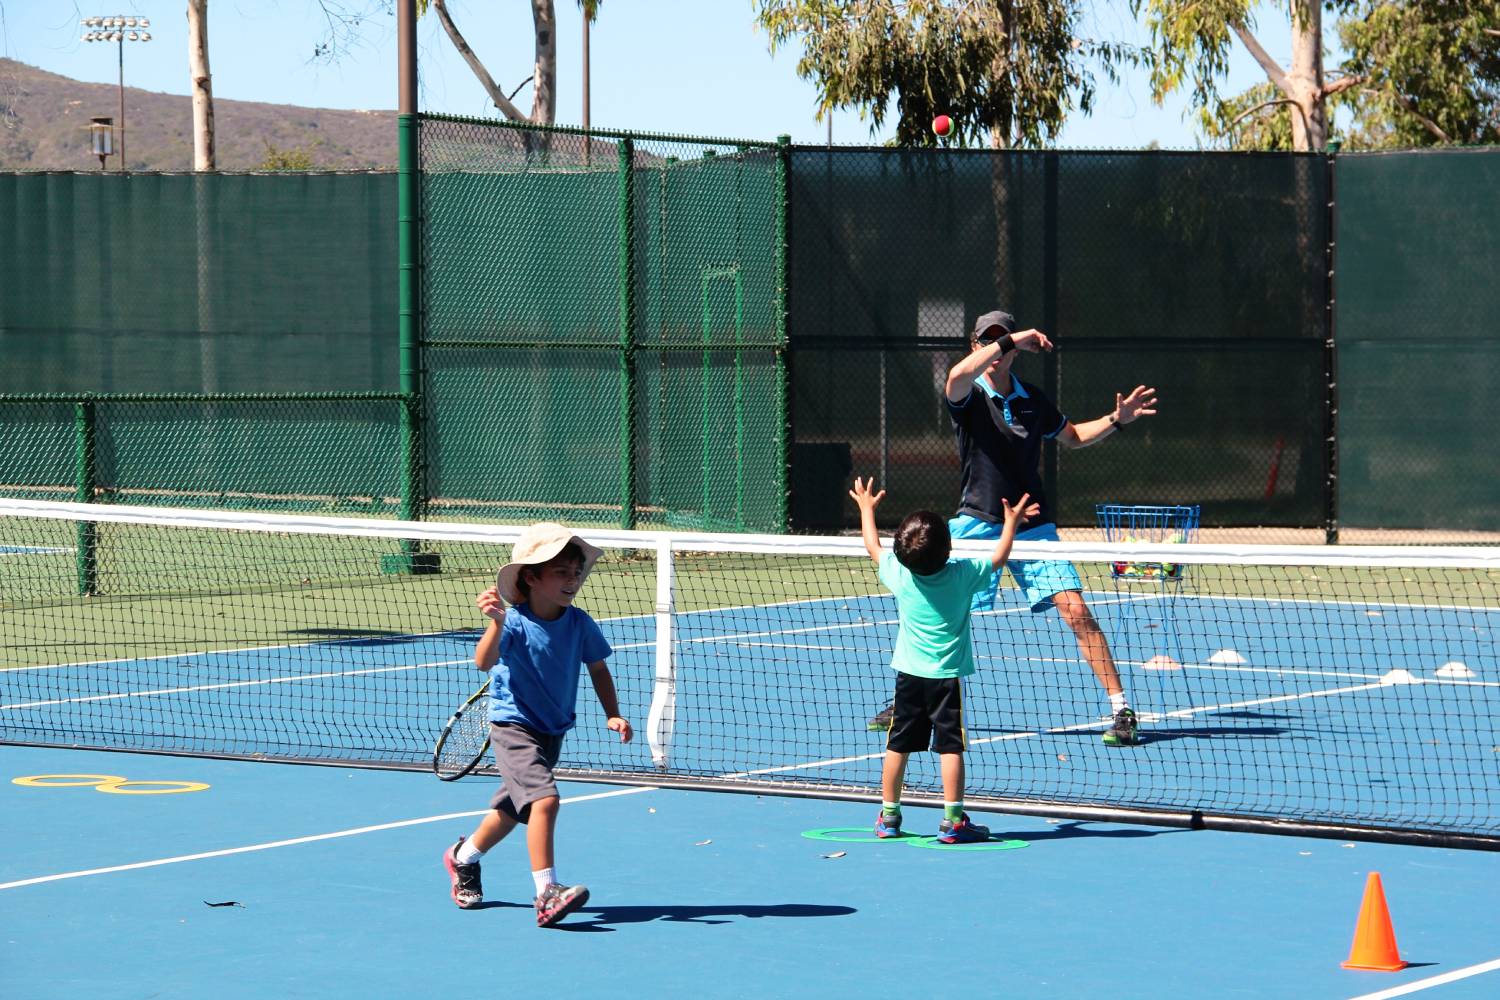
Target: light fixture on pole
119	29
101	134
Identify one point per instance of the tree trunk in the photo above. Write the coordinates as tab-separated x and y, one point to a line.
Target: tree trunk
1309	117
508	109
202	83
544	80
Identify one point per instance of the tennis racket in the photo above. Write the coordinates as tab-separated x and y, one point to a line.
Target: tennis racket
465	737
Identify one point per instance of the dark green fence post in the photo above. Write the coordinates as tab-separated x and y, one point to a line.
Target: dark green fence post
86	481
627	333
1051	369
1330	357
782	278
409	249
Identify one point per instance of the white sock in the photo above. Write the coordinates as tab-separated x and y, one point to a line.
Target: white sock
543	878
1117	702
467	853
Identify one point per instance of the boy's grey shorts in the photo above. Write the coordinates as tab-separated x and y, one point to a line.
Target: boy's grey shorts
525	759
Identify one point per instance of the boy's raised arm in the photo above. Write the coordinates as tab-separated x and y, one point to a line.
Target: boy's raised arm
1024	508
867	500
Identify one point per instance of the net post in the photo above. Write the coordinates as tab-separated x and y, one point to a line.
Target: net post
627	333
1051	363
663	711
85	458
783	255
410	292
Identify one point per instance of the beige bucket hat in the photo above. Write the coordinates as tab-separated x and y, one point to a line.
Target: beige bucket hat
537	545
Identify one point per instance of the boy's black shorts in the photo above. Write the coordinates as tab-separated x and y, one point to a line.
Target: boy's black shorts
927	710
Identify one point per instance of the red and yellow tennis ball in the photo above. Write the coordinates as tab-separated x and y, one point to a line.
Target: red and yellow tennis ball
942	125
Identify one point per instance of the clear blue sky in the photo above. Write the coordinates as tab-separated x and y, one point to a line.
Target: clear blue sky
697	67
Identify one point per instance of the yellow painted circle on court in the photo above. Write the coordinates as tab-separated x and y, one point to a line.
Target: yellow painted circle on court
65	780
155	787
114	784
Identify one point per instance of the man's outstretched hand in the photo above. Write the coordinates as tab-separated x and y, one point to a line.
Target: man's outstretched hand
1140	403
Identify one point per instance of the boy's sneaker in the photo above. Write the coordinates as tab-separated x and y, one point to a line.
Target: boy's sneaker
467	892
1123	733
887	826
557	901
962	832
882	720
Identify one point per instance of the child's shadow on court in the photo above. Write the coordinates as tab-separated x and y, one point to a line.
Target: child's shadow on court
608	916
723	914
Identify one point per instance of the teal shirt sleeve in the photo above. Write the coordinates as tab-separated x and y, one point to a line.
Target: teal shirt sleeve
892	573
982	573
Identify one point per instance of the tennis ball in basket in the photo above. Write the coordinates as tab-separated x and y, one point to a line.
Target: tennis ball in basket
942	125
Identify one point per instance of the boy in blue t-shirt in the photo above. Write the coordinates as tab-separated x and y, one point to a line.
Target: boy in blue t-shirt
934	650
532	650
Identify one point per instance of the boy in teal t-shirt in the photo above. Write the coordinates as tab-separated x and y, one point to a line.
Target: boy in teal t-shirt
934	650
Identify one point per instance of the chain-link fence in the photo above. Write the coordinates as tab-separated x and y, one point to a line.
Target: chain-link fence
603	333
199	340
648	330
1202	275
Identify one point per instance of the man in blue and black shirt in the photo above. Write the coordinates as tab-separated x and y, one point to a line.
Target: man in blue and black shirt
1001	421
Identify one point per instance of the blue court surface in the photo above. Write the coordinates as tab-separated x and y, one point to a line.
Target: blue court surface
335	873
1341	711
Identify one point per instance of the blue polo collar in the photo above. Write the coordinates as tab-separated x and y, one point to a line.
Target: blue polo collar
982	380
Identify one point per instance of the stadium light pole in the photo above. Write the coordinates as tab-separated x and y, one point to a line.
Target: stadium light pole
118	28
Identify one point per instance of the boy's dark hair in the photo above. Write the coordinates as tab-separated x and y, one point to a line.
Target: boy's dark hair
570	553
922	542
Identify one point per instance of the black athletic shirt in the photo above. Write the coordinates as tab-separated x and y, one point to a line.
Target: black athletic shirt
1001	459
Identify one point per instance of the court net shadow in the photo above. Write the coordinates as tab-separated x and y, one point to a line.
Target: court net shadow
375	637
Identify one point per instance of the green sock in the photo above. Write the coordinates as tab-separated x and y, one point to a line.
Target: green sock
953	811
890	808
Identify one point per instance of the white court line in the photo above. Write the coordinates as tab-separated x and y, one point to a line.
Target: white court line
229	651
231	684
1184	713
1314	602
1425	984
294	841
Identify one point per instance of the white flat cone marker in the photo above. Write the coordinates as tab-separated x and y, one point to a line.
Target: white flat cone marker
1161	663
1455	668
1226	656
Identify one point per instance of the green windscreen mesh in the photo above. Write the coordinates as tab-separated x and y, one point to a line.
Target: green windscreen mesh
601	331
1201	275
234	283
1418	237
695	333
219	339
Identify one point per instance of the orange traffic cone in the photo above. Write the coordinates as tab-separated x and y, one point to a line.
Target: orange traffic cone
1374	939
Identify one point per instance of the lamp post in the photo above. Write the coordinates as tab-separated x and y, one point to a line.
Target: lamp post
118	29
101	132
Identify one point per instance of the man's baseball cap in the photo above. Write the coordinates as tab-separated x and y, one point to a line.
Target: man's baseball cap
1004	320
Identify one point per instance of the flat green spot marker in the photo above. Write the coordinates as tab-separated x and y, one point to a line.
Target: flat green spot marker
854	835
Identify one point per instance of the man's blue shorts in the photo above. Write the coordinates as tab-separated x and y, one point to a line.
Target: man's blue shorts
1038	579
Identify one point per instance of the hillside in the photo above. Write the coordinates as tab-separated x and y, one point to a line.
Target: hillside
44	122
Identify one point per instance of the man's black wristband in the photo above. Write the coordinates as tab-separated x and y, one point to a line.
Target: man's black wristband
1007	344
1114	422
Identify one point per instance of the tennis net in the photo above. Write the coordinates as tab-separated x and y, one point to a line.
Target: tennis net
1349	691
